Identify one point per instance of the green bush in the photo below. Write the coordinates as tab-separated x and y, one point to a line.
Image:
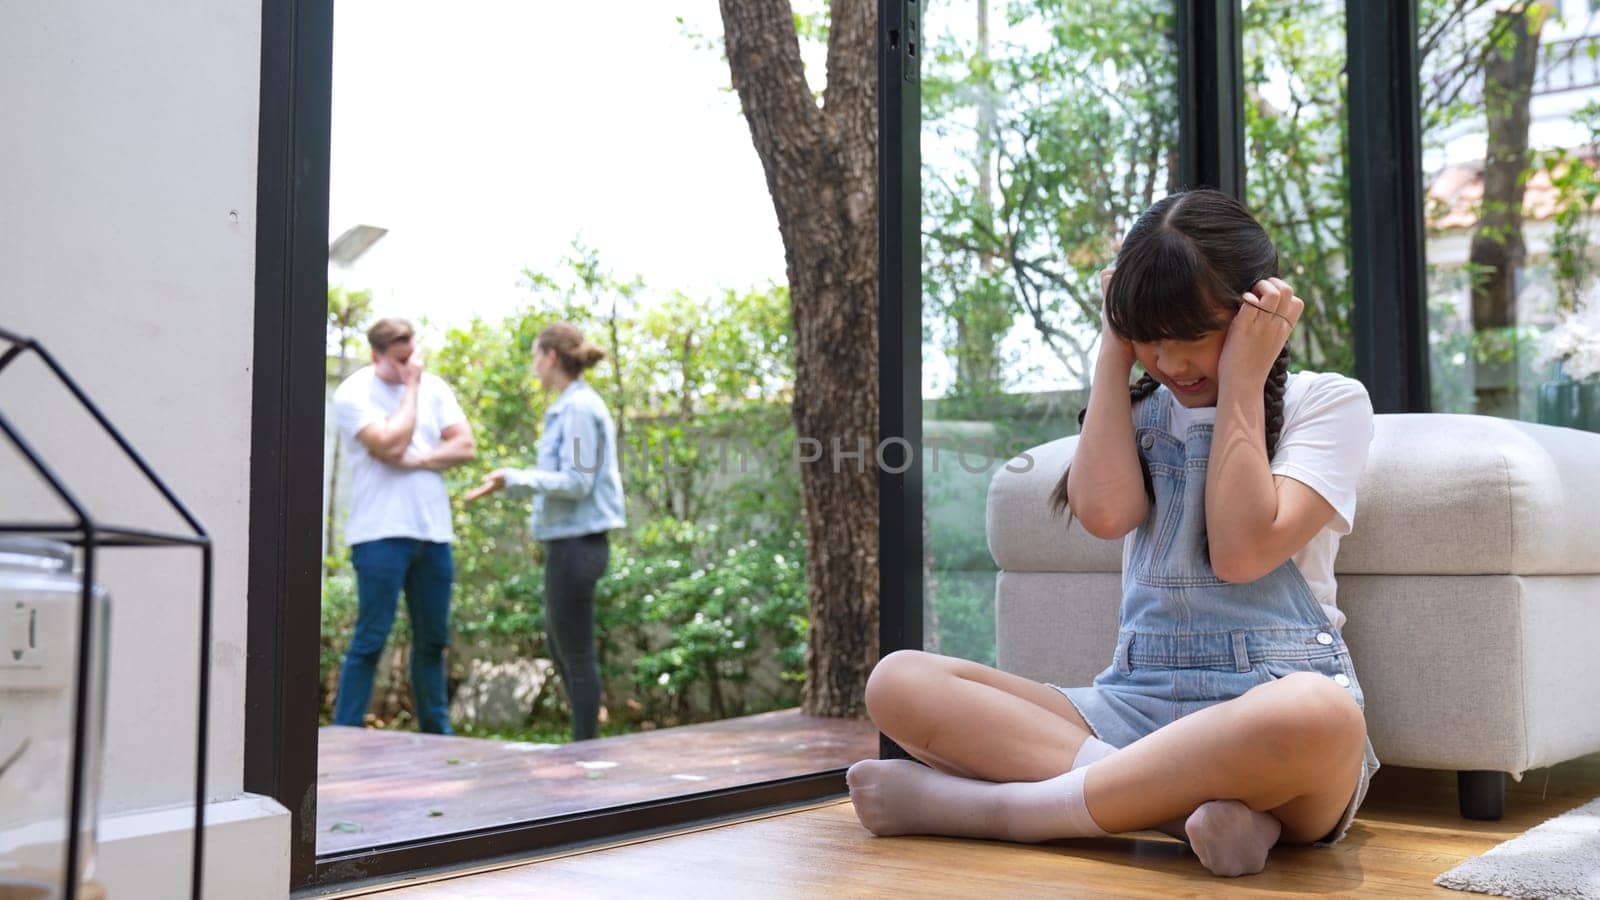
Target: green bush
721	617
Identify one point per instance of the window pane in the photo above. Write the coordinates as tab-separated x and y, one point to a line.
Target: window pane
525	176
1296	176
1047	128
1509	127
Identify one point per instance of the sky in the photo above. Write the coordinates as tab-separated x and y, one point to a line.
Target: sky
487	136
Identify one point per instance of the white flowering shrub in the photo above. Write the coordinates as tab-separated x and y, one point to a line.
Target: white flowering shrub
1575	341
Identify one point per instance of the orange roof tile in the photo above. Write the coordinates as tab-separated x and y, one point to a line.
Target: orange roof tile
1457	192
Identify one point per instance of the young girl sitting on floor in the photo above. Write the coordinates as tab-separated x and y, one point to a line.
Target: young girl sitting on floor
1230	714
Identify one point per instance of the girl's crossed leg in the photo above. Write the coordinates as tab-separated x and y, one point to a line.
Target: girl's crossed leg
1291	748
968	719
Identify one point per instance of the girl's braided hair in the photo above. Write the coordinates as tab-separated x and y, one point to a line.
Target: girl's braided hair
1181	273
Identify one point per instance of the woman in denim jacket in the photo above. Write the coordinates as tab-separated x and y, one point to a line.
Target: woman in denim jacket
1230	715
577	498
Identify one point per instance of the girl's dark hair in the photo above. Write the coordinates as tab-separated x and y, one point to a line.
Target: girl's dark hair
1180	274
574	351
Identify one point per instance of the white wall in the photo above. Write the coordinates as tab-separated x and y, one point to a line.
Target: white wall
127	238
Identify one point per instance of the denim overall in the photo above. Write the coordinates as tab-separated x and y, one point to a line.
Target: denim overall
1188	640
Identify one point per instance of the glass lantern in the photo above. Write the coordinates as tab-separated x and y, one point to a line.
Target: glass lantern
41	606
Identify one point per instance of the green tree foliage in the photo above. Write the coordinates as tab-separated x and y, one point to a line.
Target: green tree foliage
1576	182
1046	145
1296	184
1072	117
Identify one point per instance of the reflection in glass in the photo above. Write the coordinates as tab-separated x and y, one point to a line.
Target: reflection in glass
1510	120
1047	127
1296	181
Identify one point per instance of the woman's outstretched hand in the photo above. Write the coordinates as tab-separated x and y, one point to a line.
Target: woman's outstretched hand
1259	330
492	482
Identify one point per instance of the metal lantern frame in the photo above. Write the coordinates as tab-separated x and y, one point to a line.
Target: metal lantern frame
90	535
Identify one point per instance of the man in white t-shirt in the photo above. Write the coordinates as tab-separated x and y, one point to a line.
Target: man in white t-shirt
404	427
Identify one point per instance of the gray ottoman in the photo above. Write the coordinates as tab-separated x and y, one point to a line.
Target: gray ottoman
1471	582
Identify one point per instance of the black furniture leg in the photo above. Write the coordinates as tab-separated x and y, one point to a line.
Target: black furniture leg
1482	794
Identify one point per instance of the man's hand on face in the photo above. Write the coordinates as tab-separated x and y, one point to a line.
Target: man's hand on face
411	369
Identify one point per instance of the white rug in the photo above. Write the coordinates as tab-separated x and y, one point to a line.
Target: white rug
1560	858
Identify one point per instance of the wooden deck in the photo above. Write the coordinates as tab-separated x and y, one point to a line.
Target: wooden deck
1407	833
381	787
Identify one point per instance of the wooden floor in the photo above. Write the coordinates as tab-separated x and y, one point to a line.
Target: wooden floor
381	787
1407	833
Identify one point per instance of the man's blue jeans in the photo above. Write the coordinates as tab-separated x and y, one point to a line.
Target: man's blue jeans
424	571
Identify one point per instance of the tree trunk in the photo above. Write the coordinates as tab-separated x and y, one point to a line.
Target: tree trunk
1497	249
821	170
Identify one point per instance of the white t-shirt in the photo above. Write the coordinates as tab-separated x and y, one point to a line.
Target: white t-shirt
1327	431
387	501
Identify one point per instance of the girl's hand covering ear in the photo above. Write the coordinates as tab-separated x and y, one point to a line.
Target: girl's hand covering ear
1112	343
1259	330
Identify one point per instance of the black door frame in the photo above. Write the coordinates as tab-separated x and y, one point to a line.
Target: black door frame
288	397
900	550
284	582
1388	266
1211	96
